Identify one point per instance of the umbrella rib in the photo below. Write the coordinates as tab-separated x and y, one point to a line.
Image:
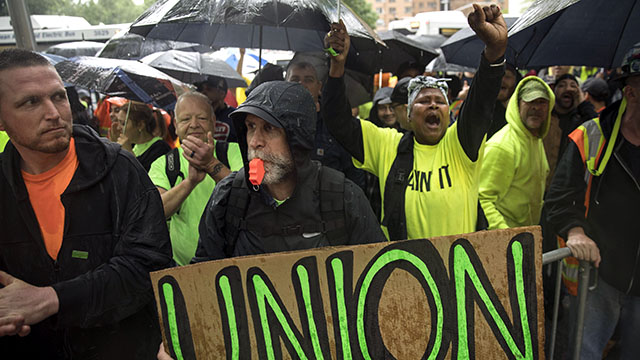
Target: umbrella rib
535	30
184	26
286	35
611	65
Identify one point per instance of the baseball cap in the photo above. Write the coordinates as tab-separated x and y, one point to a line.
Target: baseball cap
597	88
382	96
532	90
214	82
400	94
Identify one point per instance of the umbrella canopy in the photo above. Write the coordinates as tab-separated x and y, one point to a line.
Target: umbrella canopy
431	41
401	49
75	48
441	64
53	59
575	32
464	47
192	67
127	78
297	25
124	45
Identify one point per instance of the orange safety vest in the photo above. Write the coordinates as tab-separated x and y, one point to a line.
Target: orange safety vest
591	143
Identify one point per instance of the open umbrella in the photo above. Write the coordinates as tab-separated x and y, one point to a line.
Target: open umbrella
297	25
75	48
440	64
127	78
432	41
575	32
124	45
464	47
400	49
53	59
191	67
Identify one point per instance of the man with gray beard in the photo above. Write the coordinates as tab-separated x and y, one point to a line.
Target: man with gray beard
299	204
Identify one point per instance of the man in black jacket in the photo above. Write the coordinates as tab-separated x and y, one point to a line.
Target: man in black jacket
82	227
594	202
299	204
429	176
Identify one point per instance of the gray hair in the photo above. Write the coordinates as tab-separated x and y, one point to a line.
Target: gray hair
193	94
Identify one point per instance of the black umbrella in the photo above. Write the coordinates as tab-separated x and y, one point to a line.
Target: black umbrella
124	45
401	49
127	78
75	48
297	25
464	47
575	32
440	64
431	41
192	67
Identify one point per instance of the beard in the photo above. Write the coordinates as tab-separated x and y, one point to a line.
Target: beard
276	167
45	145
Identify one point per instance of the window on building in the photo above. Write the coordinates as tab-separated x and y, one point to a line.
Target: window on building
408	9
392	10
432	5
379	10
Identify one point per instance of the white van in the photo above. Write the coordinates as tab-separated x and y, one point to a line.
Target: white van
440	22
410	24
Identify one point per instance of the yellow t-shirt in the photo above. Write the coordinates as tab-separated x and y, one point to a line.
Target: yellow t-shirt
442	195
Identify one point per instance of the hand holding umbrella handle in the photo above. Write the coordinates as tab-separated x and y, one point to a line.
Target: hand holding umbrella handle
487	22
338	39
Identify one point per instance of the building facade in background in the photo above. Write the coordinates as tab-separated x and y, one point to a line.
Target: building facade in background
390	10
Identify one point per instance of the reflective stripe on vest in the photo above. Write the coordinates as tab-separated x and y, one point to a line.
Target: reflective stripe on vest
591	142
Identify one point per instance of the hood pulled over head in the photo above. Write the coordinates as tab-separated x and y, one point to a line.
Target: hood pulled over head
529	93
286	105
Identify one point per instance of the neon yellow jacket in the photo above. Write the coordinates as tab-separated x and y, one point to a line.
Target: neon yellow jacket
514	169
4	138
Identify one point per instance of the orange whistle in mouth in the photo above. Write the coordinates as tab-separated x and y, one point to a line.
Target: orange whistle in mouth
256	171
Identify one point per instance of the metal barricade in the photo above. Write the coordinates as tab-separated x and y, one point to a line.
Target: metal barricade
583	286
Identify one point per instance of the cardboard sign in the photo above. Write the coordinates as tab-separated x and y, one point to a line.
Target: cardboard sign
467	296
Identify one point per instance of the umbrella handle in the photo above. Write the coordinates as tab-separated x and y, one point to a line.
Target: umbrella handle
126	118
339	6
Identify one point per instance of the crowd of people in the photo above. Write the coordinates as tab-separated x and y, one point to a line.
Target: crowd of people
86	217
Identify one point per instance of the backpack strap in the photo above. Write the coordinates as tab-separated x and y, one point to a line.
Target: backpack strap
236	210
222	149
332	212
172	167
395	187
